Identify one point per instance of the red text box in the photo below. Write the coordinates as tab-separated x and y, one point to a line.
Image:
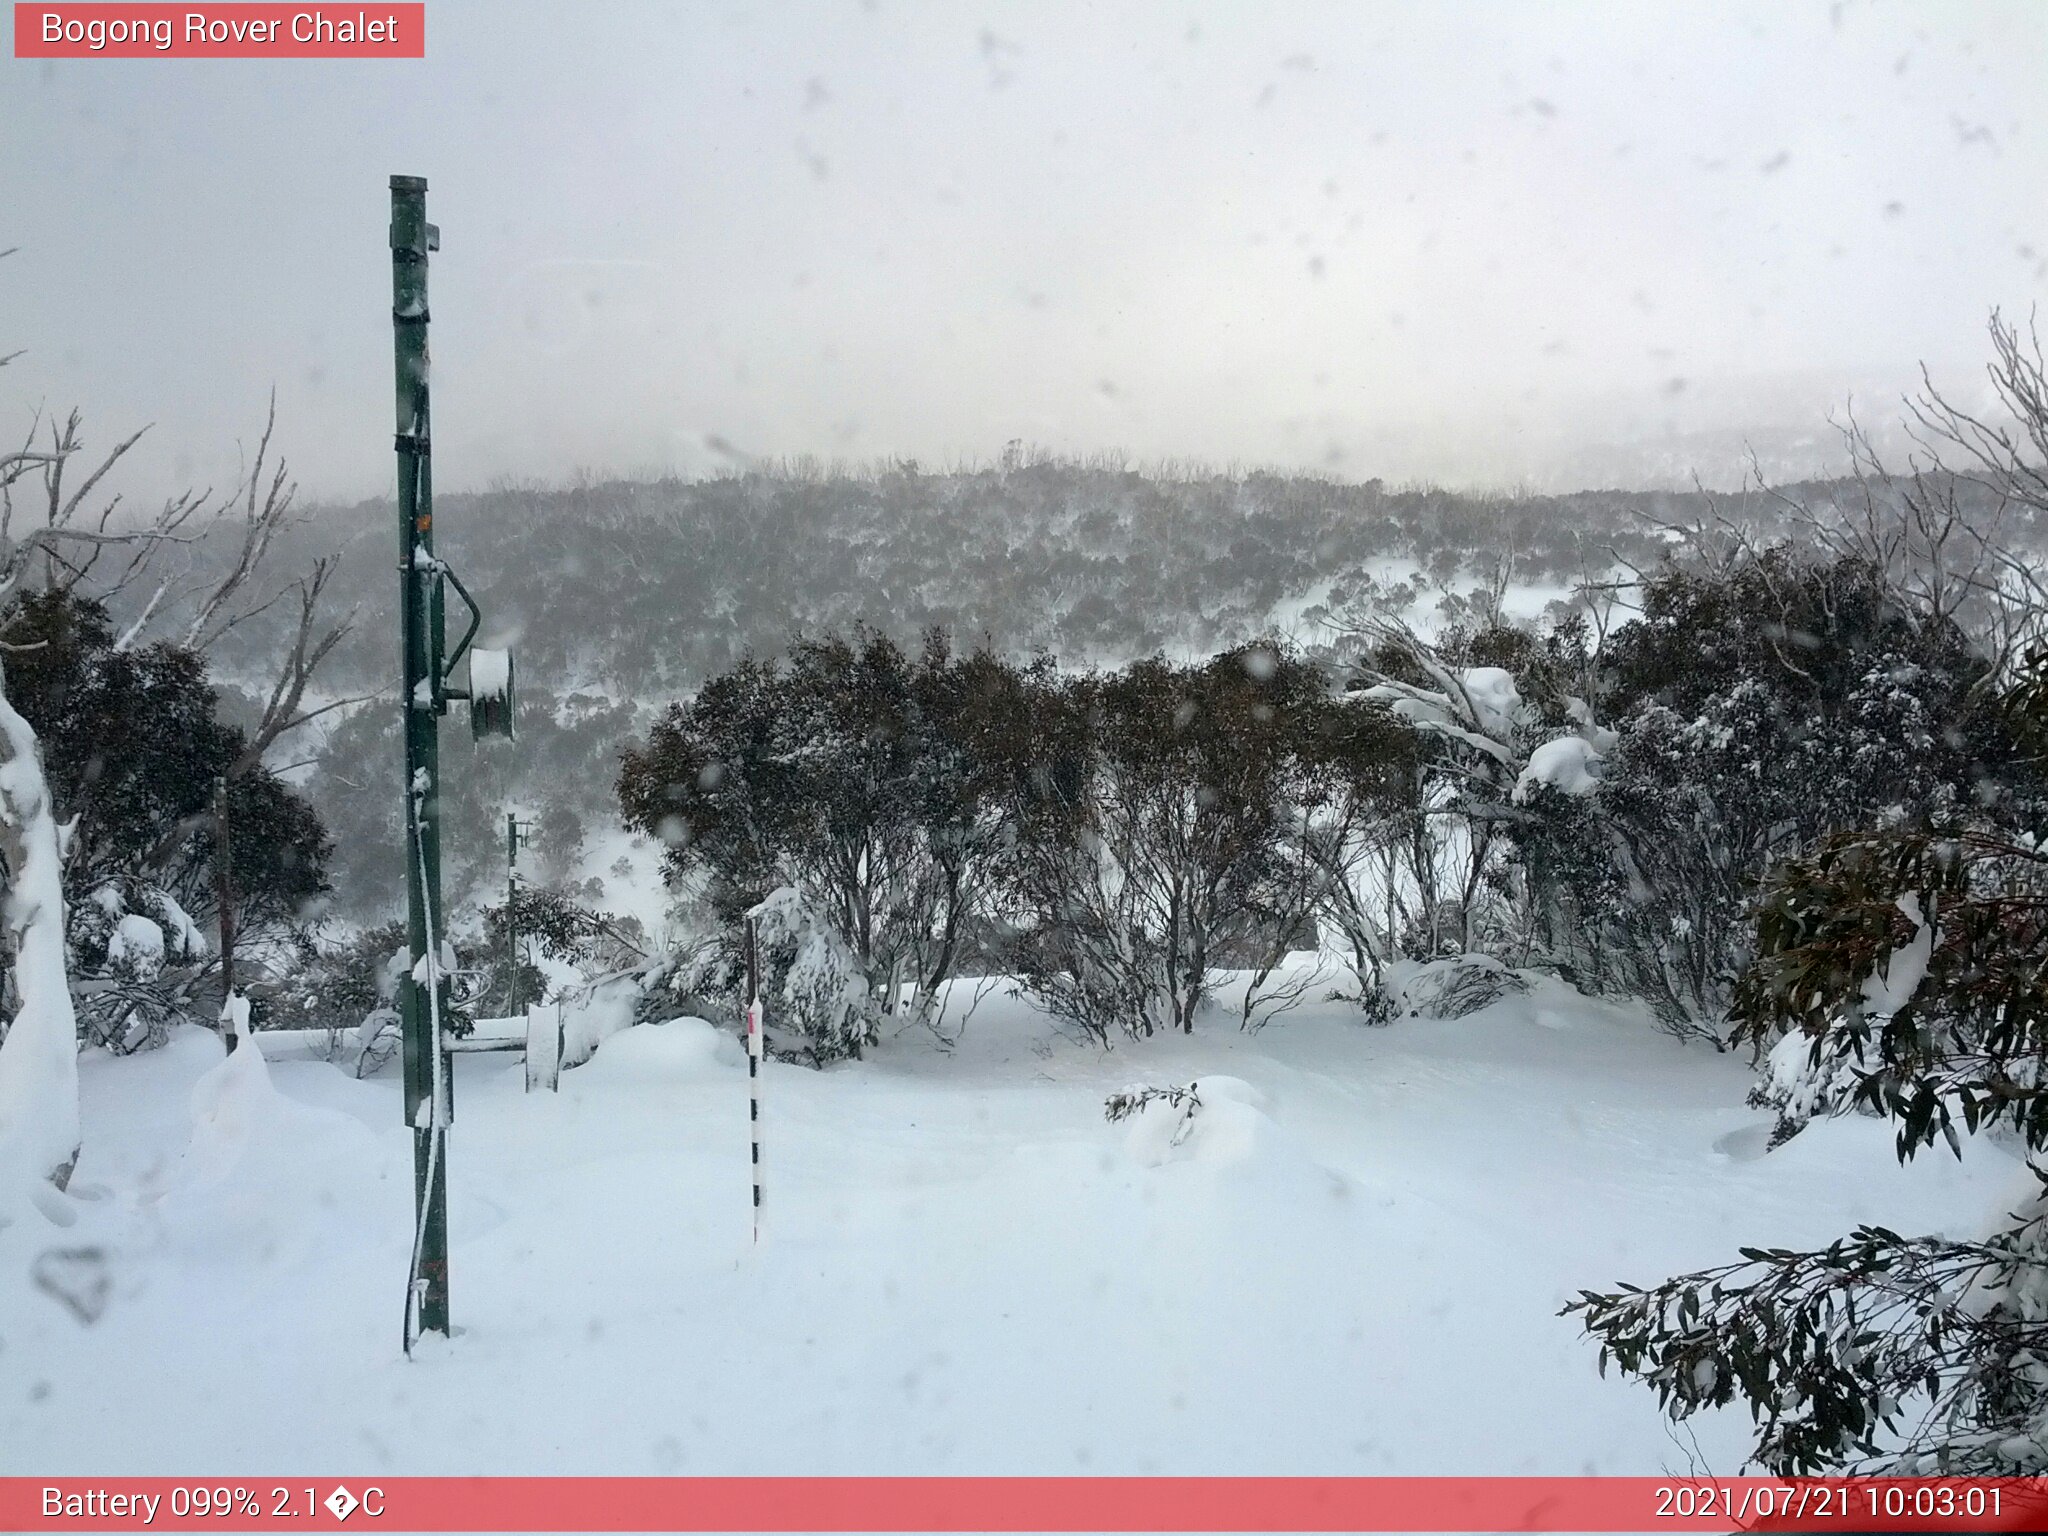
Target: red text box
249	31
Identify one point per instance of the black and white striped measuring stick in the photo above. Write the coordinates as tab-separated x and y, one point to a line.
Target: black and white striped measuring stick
754	1049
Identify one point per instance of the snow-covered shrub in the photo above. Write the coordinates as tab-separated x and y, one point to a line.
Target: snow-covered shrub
849	774
375	1041
1751	710
821	989
817	1001
349	990
333	988
136	947
594	1012
134	957
561	941
1126	1102
135	747
1810	1076
1215	1119
1452	987
1806	1079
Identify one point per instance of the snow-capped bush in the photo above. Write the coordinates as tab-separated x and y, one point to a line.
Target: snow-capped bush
350	991
1452	987
136	947
1804	1080
1569	764
135	954
1752	709
1809	1077
1215	1119
593	1013
822	991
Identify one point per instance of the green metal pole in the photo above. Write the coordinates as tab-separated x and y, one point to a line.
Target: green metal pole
420	610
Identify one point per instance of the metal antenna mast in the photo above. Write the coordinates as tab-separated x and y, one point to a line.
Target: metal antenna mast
425	666
423	994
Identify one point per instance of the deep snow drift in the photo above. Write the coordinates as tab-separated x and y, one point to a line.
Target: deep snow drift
1349	1261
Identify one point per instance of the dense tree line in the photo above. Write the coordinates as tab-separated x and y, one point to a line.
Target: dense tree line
1115	839
624	592
670	581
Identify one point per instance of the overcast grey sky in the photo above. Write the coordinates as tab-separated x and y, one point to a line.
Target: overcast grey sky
1479	243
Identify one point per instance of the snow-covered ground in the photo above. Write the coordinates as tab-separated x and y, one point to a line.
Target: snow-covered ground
1350	1263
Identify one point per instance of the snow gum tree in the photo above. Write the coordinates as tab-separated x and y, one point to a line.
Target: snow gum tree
1140	890
1905	963
1754	708
134	747
1475	704
842	775
1185	823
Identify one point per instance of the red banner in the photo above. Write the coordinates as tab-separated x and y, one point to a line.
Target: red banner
1024	1504
255	31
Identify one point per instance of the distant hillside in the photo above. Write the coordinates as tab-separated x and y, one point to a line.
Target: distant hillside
639	589
622	596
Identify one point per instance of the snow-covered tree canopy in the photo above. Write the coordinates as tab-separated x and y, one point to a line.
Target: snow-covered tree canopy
1112	838
847	775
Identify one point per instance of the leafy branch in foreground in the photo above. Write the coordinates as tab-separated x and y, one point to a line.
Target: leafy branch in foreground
1909	965
1831	1349
1913	963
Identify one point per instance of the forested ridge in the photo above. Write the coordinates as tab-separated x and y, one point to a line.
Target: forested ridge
634	586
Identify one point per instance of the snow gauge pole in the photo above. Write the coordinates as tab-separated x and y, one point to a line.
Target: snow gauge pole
754	1070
